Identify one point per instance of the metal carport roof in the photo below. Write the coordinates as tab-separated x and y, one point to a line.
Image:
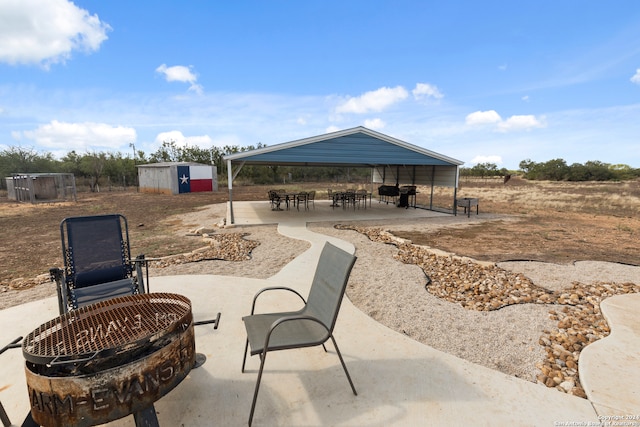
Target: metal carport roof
355	147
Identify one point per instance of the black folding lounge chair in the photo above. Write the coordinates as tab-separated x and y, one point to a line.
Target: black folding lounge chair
312	325
97	261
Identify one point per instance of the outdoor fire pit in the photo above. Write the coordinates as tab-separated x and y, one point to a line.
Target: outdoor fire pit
108	360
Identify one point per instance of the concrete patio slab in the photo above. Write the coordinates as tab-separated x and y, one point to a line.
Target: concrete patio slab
399	381
259	212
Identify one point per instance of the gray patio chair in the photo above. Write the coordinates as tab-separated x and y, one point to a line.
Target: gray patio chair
310	326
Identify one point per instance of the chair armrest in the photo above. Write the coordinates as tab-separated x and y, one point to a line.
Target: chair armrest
139	262
140	259
57	275
274	288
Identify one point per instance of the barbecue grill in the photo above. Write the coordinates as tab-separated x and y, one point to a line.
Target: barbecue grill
388	193
108	360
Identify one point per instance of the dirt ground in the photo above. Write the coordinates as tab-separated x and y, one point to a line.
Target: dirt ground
30	238
541	235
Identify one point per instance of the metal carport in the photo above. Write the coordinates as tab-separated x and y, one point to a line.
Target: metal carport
390	159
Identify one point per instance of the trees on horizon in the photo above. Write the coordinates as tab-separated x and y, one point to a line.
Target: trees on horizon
100	168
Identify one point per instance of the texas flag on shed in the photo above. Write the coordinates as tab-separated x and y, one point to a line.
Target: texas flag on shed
193	179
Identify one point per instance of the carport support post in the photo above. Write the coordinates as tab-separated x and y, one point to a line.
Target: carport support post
455	192
433	177
230	185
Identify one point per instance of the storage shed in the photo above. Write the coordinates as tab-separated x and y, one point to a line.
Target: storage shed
177	177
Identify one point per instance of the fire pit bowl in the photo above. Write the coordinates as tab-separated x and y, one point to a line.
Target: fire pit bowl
108	360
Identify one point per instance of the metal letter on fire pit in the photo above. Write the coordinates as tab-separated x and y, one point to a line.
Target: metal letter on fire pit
108	360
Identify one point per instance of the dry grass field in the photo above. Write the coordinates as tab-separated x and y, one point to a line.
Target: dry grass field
548	221
556	222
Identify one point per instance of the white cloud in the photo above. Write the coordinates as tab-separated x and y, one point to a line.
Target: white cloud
47	31
374	124
180	73
373	101
636	77
63	136
483	117
202	141
426	90
513	123
516	123
525	98
487	159
332	129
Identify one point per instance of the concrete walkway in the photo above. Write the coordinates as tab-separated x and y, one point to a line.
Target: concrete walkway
610	368
400	382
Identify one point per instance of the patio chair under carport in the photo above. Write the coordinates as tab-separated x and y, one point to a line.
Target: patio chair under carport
312	325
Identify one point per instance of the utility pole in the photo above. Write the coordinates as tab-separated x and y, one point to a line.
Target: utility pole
132	145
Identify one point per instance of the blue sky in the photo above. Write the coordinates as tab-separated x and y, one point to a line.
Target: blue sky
490	81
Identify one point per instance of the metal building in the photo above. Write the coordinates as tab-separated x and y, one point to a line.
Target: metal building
177	177
392	161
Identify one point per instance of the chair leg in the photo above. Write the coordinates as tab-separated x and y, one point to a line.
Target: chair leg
263	357
344	366
244	359
28	421
4	417
146	417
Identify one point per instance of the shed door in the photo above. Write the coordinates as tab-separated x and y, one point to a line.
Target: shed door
184	179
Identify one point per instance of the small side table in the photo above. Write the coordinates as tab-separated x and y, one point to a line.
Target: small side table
467	203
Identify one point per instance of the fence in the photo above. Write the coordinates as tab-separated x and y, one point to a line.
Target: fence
41	187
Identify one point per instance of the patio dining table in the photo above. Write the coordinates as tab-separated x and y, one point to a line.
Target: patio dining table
289	197
342	198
